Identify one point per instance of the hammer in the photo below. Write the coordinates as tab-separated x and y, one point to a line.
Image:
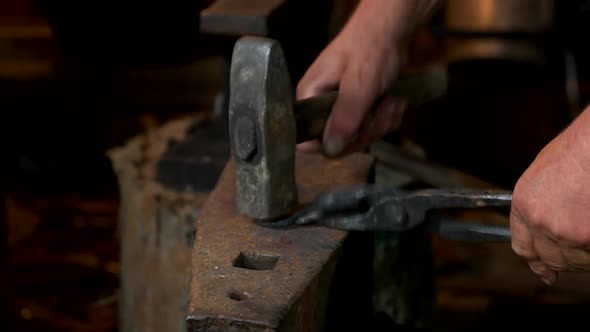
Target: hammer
266	123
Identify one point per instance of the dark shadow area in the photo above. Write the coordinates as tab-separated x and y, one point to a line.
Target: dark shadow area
75	85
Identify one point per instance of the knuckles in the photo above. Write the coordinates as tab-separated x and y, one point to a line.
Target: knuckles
543	211
530	206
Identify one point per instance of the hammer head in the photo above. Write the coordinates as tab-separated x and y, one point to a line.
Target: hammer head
262	129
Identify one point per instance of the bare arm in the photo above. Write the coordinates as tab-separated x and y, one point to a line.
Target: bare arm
362	62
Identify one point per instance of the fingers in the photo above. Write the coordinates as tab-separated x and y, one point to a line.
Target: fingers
387	117
323	75
557	256
522	237
578	259
545	254
549	252
547	275
357	93
310	146
536	250
551	257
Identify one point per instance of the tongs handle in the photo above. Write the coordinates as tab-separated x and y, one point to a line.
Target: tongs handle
468	231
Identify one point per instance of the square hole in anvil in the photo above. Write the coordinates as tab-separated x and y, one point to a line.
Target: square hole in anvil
256	260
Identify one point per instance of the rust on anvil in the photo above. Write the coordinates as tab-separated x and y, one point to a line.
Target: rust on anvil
248	277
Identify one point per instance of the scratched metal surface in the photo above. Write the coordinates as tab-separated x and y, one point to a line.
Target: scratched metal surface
226	297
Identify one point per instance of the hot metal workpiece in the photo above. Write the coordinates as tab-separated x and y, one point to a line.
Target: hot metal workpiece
246	277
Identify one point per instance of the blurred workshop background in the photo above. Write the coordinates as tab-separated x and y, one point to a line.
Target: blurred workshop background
80	79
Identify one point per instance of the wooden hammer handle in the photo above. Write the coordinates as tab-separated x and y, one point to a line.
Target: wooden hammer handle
311	114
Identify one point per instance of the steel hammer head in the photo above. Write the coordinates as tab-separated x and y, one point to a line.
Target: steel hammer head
262	129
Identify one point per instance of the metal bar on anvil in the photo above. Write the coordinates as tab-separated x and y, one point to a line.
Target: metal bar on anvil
246	277
239	17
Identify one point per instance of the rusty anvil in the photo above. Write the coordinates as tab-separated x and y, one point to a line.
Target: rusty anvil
246	277
266	124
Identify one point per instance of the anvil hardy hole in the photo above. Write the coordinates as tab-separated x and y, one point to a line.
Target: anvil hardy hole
256	261
238	296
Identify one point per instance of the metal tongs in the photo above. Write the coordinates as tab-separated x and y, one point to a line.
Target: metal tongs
376	208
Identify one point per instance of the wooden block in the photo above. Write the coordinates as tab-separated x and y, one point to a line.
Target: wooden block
156	234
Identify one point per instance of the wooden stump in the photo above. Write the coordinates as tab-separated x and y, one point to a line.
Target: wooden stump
156	234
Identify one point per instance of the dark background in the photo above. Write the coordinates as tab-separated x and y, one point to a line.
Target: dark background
78	78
